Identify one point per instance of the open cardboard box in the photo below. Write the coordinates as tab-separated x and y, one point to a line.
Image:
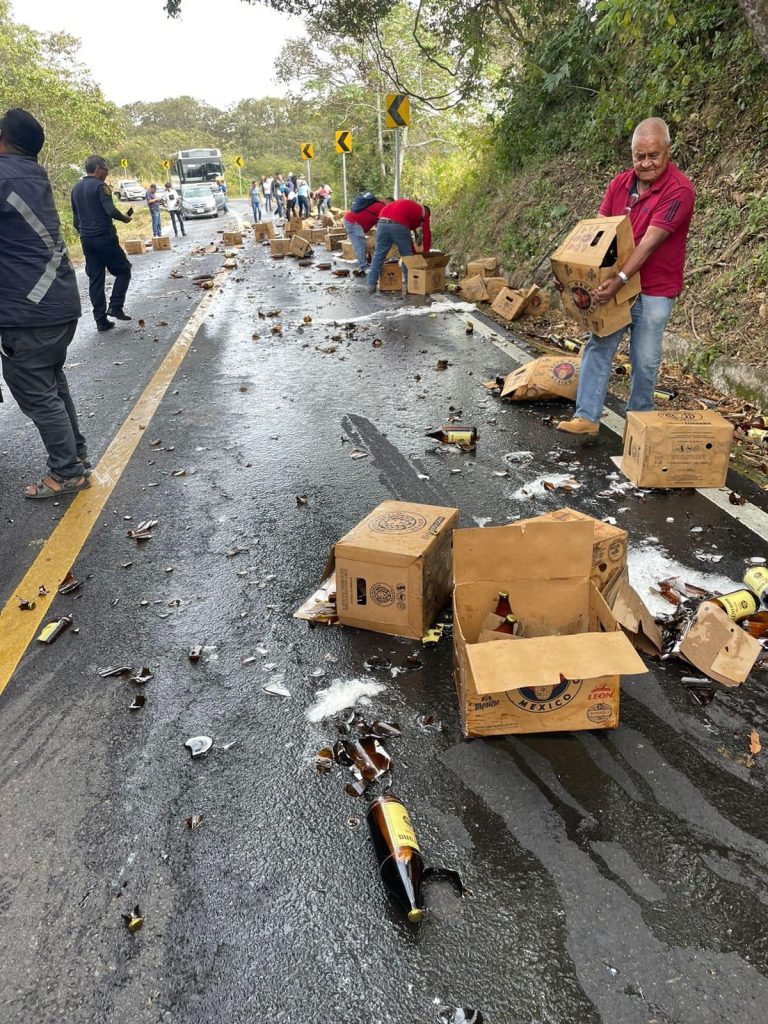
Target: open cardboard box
393	570
510	303
595	250
542	682
609	544
426	272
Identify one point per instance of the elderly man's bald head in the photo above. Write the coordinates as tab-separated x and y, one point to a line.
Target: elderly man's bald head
650	151
652	128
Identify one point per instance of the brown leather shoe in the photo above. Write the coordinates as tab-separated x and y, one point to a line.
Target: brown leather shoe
578	425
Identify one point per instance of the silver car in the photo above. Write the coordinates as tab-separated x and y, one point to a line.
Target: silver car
201	201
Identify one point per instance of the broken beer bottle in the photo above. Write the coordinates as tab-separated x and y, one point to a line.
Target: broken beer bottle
398	854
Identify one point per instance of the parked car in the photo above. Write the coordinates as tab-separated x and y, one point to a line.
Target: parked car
129	190
201	201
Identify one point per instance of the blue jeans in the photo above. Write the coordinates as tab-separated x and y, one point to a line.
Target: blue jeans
154	212
649	318
256	207
388	234
359	244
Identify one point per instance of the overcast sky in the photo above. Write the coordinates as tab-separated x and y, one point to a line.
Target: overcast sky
219	50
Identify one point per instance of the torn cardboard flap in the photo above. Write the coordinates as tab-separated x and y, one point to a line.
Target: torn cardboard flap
718	647
630	612
541	661
319	607
533	550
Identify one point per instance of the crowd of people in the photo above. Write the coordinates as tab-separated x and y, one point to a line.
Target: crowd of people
40	303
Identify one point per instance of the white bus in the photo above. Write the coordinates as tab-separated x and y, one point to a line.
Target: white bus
195	165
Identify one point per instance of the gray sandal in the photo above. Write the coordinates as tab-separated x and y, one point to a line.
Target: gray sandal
42	490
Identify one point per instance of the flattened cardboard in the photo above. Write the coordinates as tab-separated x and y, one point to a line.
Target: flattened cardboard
393	570
719	647
485	267
543	378
473	288
677	448
517	688
510	303
578	264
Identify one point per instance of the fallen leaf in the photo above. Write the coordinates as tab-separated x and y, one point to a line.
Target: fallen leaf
754	742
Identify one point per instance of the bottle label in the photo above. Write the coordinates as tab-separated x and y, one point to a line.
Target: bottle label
399	824
738	604
757	579
459	436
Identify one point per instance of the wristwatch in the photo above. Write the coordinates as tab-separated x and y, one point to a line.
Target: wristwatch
622	277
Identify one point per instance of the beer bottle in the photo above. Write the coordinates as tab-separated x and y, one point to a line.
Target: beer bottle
398	854
738	604
664	394
454	435
503	607
756	579
758	434
511	625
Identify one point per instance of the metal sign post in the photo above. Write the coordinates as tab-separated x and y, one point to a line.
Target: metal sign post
398	116
344	146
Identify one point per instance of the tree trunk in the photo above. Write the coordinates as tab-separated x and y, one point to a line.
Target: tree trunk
756	14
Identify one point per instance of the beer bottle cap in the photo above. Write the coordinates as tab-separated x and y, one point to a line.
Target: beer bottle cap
415	915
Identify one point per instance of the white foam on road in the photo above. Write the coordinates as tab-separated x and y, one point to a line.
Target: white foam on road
649	564
433	309
341	694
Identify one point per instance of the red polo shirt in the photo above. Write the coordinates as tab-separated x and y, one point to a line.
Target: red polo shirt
667	204
410	215
366	218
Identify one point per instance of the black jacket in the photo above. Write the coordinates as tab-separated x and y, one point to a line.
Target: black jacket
93	209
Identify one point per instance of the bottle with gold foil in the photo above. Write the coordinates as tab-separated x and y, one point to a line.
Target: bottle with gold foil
511	625
756	579
738	604
398	853
503	607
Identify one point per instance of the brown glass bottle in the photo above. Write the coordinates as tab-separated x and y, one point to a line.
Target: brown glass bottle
503	608
454	435
510	625
738	604
398	854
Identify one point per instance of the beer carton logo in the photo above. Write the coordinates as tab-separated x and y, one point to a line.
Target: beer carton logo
398	522
542	699
563	371
682	416
382	594
582	297
600	713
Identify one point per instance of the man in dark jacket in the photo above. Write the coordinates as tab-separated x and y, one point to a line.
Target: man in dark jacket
94	214
39	305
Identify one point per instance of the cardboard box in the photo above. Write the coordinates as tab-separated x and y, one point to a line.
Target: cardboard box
334	238
163	242
511	302
265	229
135	246
543	378
609	544
541	682
347	250
280	246
537	305
678	448
391	278
493	285
300	247
486	267
719	647
426	272
393	570
473	288
232	238
595	250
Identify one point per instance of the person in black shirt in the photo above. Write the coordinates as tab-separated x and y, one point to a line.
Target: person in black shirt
94	213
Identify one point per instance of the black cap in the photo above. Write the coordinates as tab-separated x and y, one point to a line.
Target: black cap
22	131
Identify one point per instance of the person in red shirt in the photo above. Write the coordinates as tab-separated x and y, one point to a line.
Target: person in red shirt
358	223
658	198
396	222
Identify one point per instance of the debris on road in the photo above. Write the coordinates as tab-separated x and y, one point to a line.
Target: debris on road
143	676
121	670
199	746
195	653
458	1015
195	821
133	920
25	605
398	853
542	379
465	438
53	630
341	694
144	530
138	702
69	584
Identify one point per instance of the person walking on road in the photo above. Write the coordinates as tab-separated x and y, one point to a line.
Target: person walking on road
396	222
172	202
255	194
358	220
154	202
266	187
658	198
302	194
39	306
222	186
94	214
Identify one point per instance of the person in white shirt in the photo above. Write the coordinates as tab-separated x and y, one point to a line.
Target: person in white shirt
173	206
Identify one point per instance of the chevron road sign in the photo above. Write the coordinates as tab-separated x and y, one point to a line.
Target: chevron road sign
343	142
307	151
398	111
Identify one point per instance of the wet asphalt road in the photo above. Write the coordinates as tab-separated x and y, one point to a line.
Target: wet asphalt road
614	877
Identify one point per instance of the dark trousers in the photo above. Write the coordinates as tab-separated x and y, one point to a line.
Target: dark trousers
101	254
177	220
303	206
33	366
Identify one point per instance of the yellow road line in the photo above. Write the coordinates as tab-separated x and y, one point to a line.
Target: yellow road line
18	628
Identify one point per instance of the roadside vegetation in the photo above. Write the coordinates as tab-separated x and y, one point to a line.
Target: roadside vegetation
520	115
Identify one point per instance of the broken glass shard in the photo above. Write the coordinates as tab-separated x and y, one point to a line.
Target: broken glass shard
199	745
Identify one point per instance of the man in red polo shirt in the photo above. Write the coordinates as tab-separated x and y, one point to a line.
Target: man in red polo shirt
658	198
396	222
358	222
